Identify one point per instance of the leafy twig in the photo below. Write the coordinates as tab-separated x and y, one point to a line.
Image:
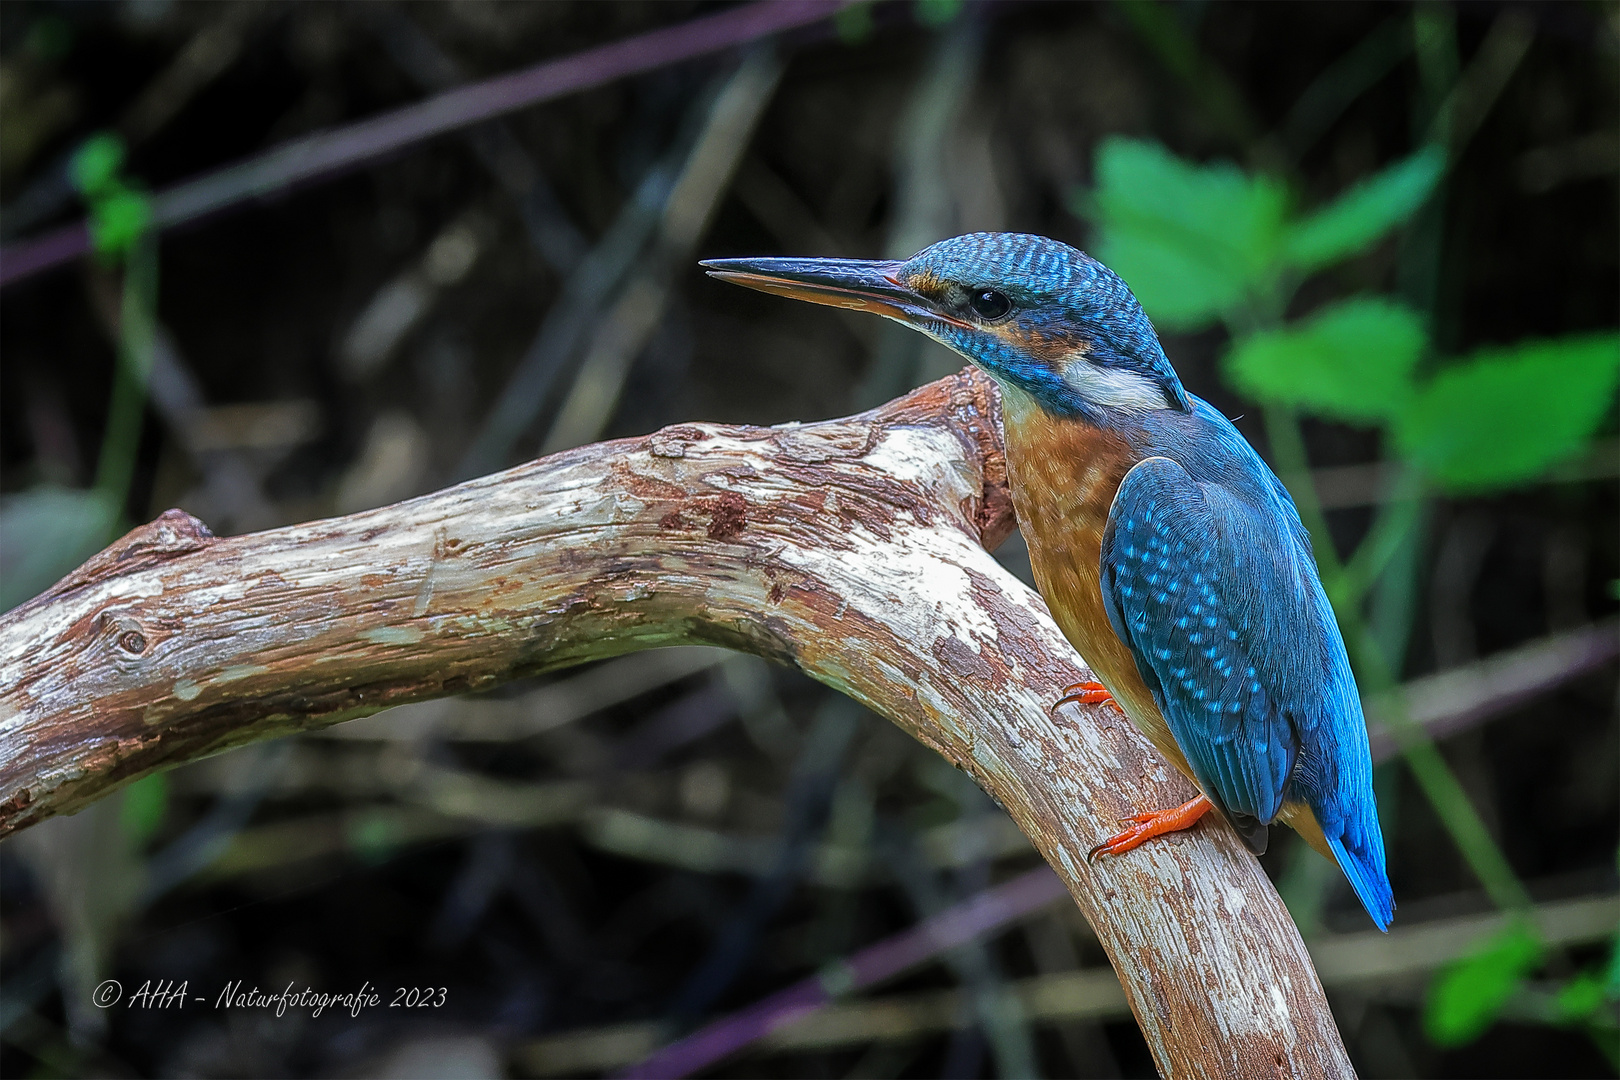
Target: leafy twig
328	153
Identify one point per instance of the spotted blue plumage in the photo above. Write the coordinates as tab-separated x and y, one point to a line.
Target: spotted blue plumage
1208	578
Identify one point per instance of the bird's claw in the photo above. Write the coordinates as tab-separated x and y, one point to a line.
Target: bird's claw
1086	693
1150	824
1124	841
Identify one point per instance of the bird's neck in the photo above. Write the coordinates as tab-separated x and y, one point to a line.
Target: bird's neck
1032	419
1065	470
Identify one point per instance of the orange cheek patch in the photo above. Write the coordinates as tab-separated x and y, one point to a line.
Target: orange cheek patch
1056	351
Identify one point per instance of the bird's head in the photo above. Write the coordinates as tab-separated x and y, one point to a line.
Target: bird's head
1033	312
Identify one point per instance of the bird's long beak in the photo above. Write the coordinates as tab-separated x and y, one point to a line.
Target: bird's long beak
847	283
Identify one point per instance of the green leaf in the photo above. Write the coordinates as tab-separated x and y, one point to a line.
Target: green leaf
1191	241
1468	995
118	220
1352	361
44	533
96	164
1503	416
1590	991
1579	998
146	801
1356	219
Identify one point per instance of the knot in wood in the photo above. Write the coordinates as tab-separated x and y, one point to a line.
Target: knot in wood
175	530
173	533
127	635
673	442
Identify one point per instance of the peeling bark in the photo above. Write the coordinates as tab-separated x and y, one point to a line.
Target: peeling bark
854	549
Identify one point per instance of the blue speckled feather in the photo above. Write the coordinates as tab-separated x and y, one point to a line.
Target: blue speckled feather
1208	578
1185	566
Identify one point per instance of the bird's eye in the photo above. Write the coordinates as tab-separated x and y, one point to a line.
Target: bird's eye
990	305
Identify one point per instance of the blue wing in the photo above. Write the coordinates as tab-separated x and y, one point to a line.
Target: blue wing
1218	601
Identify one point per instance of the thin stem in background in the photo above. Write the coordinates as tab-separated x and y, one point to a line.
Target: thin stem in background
1293	467
1434	777
327	153
1397	516
115	468
968	921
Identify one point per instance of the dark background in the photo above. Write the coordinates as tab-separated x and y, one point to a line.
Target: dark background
332	864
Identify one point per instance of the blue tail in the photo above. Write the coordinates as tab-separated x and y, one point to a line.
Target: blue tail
1363	864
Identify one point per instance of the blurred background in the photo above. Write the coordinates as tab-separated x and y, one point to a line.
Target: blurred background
1383	238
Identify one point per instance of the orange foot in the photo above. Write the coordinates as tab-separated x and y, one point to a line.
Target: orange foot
1151	824
1086	693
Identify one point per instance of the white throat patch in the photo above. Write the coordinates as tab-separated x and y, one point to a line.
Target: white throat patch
1113	386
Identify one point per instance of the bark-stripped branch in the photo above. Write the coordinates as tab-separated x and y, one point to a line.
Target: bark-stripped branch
853	548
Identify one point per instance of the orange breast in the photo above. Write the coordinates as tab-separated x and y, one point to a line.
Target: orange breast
1064	476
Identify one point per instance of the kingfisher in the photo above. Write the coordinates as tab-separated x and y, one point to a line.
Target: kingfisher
1169	554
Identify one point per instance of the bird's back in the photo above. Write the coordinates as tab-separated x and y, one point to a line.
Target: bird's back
1067	476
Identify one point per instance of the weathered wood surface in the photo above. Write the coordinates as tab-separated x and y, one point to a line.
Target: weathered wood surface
855	549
